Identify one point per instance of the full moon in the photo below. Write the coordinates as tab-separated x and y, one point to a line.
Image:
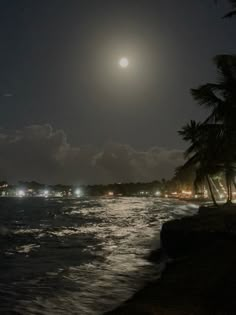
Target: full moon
124	62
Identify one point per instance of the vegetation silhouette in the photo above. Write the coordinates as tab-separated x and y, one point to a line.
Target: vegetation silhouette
213	142
233	11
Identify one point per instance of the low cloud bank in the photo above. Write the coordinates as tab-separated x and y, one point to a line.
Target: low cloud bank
40	153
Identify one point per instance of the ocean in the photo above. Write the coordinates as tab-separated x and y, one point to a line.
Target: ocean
78	256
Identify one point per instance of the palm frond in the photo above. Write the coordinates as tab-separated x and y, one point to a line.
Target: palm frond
226	65
191	161
233	12
190	131
205	95
230	14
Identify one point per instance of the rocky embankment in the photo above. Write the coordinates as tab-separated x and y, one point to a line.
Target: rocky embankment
200	279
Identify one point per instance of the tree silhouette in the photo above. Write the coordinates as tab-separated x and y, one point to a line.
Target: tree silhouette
202	152
233	11
213	142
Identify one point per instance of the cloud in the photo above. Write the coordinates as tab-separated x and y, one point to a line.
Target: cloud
7	95
40	153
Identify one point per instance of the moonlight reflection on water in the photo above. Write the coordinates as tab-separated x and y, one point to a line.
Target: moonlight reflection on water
78	256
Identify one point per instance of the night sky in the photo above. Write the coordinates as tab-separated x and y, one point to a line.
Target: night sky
70	114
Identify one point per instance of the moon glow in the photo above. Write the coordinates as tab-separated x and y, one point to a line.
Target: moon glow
124	62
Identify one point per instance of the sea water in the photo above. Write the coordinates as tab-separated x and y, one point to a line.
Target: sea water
78	256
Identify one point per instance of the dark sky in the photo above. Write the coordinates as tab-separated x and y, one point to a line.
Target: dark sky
59	70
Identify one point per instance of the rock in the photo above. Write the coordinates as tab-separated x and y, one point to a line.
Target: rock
203	280
190	234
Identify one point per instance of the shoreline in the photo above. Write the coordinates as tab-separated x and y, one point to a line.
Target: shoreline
200	275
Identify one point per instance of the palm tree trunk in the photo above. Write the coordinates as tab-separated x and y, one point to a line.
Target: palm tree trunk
227	185
211	191
229	188
230	192
214	185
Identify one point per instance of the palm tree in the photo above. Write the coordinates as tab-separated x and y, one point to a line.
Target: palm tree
201	152
202	176
220	98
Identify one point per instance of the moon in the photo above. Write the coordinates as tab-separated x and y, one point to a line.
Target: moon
124	62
